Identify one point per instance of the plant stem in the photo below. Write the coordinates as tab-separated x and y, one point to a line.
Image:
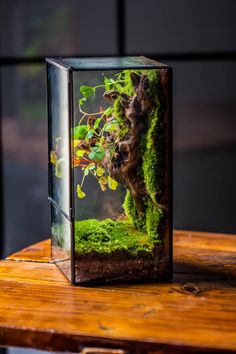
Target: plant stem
94	175
82	182
81	118
88	114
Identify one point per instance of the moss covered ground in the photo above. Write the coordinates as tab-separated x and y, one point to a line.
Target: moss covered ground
108	236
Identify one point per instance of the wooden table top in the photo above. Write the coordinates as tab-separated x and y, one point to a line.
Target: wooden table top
194	313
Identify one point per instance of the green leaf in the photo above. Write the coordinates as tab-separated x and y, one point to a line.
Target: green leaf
87	91
97	153
100	171
80	193
108	111
90	134
118	87
80	131
112	183
96	123
86	171
82	101
111	126
108	83
91	166
103	182
80	153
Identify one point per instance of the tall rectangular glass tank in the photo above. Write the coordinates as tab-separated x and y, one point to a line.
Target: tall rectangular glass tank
110	168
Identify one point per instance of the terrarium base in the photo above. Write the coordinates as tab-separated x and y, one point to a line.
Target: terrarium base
117	267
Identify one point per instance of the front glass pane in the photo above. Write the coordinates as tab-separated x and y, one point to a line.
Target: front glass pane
120	166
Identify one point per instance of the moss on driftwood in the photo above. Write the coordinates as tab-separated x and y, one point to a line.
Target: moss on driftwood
142	206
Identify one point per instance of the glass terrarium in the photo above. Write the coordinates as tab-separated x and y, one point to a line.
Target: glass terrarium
110	168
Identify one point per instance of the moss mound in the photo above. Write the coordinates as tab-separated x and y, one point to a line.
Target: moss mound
108	236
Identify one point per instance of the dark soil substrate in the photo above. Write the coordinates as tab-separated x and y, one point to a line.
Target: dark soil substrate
118	267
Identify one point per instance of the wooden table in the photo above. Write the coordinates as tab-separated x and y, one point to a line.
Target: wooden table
196	313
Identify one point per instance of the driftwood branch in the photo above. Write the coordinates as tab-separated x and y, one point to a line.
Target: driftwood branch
127	159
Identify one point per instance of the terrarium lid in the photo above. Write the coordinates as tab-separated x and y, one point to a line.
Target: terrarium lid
106	63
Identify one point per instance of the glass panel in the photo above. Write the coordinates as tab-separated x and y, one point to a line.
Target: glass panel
108	63
59	149
61	241
24	139
121	174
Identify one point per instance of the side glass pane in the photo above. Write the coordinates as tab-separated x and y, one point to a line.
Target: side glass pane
61	241
59	138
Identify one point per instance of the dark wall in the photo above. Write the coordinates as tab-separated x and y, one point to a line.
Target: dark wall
197	38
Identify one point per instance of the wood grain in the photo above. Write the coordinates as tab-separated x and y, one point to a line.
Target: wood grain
195	313
39	252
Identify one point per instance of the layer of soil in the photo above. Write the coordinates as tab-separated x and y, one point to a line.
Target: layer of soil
118	266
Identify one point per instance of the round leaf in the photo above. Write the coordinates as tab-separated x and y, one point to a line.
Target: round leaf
80	193
90	134
100	171
97	153
82	101
112	183
80	153
87	91
80	131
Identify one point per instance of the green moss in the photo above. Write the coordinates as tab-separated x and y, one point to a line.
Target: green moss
153	218
151	148
128	88
110	236
138	219
118	114
153	159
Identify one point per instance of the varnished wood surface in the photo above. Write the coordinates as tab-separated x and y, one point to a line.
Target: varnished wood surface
194	313
39	252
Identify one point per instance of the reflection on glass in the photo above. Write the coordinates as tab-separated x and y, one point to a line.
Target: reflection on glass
59	140
61	241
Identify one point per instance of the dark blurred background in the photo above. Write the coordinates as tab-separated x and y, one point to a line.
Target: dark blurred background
197	38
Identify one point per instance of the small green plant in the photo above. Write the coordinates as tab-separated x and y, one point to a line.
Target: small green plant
96	136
